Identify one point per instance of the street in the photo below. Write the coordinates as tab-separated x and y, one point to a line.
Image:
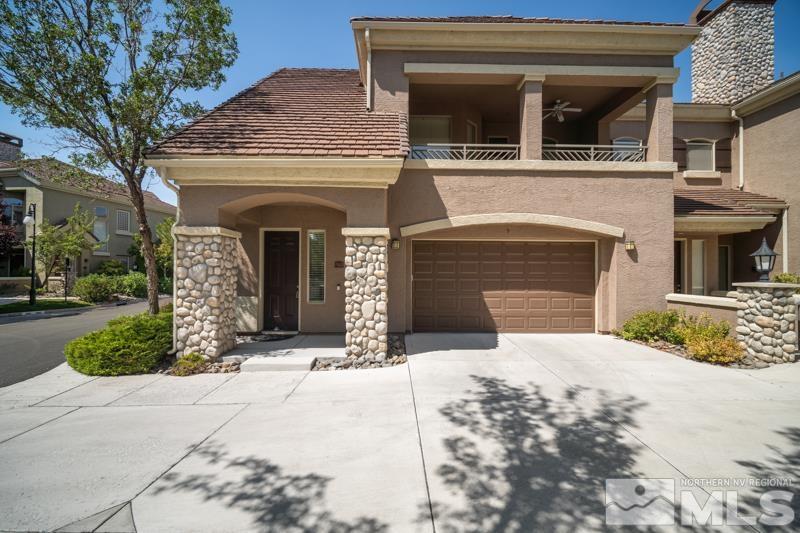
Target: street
30	346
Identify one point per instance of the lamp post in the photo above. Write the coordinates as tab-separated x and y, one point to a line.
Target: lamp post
765	260
31	219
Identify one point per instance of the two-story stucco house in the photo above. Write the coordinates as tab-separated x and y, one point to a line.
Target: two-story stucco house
483	173
55	187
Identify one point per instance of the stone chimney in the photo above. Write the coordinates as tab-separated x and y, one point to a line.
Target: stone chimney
10	147
734	56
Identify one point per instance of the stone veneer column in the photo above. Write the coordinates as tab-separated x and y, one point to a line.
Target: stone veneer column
366	293
206	274
766	323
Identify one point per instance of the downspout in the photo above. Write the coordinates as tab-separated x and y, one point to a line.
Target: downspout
785	235
162	173
369	69
741	148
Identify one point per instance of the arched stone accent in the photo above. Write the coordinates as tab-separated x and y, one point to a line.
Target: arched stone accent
588	226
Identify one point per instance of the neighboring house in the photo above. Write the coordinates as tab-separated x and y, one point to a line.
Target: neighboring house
484	174
55	187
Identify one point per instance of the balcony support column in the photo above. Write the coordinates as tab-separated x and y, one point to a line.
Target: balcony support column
530	117
658	122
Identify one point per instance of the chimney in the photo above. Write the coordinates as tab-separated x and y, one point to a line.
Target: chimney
10	147
734	55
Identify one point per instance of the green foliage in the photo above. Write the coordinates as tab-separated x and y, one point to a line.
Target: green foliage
113	77
164	247
54	244
165	285
133	284
112	267
649	326
786	277
709	341
95	288
189	364
127	345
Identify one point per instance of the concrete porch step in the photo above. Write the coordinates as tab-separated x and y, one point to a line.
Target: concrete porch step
295	353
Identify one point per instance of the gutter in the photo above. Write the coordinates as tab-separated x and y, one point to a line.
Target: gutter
369	69
174	188
741	148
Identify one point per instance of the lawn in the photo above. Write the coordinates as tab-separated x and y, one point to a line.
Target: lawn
41	305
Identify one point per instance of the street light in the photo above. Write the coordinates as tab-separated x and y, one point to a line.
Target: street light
765	260
31	219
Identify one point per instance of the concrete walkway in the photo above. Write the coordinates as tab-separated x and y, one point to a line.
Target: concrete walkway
477	433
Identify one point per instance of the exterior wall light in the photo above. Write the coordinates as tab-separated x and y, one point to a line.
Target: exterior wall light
630	245
764	258
395	244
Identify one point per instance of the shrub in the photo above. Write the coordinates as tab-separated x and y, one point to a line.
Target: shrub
112	267
787	277
165	285
715	350
189	364
649	326
94	288
133	284
127	345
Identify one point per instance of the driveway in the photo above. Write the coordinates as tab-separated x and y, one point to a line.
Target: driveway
477	433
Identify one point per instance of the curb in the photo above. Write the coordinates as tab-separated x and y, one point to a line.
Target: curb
69	311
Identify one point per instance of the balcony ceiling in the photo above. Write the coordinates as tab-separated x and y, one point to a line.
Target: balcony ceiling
586	98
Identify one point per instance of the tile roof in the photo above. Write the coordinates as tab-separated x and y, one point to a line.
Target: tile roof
723	202
49	170
294	112
509	19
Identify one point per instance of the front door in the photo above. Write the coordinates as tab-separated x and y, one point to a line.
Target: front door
282	287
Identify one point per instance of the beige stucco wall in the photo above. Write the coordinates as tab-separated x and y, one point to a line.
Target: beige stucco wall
716	313
639	203
772	167
314	317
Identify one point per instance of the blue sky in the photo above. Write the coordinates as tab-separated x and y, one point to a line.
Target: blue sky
303	33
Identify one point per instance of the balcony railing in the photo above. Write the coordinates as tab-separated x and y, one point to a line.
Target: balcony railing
594	152
466	152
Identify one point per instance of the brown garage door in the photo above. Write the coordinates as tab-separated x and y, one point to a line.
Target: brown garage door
503	286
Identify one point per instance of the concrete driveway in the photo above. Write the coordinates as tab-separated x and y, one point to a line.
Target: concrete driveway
477	433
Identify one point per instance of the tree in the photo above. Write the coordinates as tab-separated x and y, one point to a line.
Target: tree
55	243
163	244
112	76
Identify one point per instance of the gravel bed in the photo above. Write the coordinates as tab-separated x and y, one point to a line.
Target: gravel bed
396	356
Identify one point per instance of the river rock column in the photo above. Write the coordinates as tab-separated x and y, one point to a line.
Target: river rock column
366	293
206	274
766	323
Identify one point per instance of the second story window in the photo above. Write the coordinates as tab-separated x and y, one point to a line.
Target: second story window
123	222
700	155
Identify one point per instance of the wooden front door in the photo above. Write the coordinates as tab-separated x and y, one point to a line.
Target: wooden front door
282	284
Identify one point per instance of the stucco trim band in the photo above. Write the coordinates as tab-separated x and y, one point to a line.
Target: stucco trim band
204	231
366	232
721	224
666	74
541	165
513	218
709	301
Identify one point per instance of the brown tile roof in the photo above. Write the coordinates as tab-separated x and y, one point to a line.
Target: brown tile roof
722	202
509	19
294	112
49	170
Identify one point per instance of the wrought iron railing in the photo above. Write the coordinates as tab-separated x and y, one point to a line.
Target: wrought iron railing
466	152
594	152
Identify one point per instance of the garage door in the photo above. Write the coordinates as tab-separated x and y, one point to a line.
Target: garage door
503	286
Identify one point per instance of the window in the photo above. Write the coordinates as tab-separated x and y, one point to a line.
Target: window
627	148
100	211
123	222
497	139
472	132
13	264
700	155
698	267
100	231
316	266
429	130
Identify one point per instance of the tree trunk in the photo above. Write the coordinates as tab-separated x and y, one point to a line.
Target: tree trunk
148	250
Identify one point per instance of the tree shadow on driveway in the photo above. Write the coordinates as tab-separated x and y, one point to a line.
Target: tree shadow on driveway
276	500
520	460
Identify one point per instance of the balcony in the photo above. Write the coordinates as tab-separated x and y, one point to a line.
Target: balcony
617	153
465	152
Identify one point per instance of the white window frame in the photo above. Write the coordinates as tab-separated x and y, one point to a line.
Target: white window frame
705	142
100	251
698	267
324	265
121	231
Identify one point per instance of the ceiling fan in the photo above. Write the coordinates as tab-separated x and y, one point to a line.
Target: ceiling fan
559	109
